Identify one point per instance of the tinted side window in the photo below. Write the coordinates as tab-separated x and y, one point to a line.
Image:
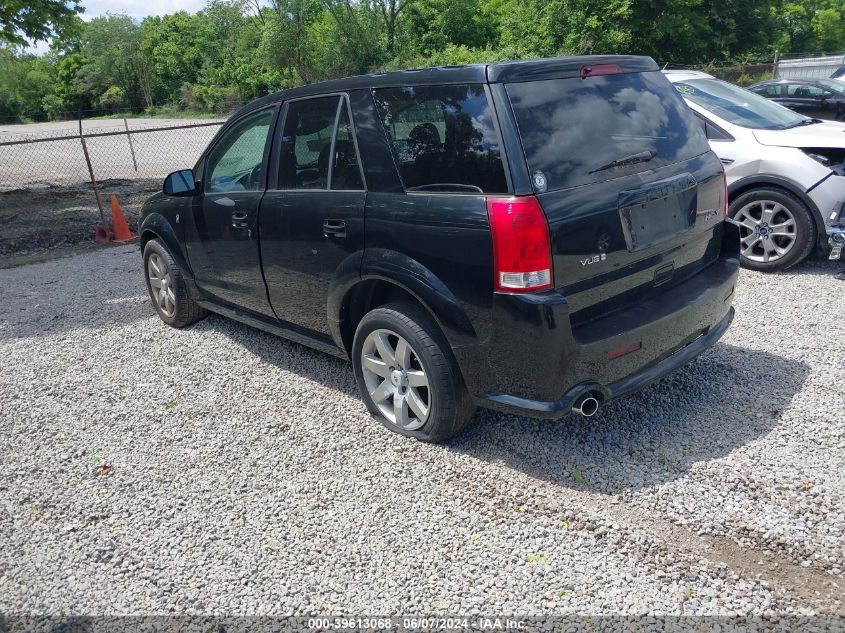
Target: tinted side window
234	164
803	91
346	169
306	143
771	91
713	132
444	138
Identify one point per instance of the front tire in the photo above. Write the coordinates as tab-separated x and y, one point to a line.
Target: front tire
169	292
407	374
776	229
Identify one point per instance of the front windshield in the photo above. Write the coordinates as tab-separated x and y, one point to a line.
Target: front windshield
834	86
738	106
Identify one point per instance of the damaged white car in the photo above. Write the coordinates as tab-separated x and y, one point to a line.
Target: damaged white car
785	171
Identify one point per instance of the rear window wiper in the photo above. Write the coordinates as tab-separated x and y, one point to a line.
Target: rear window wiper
641	157
446	187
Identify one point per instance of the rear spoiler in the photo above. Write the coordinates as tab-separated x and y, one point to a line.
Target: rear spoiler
567	67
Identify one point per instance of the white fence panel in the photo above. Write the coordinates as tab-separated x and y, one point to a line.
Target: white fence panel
809	67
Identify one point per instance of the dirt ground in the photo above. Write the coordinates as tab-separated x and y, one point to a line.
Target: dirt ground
46	222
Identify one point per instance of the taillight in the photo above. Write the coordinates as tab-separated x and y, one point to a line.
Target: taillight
725	180
522	257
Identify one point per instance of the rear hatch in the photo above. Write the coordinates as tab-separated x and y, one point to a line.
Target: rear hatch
632	193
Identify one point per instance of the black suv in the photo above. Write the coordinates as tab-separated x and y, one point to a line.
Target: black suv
535	237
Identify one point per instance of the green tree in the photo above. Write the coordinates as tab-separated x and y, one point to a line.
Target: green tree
24	81
348	39
809	26
175	47
433	25
34	20
70	94
391	13
829	27
236	50
113	56
539	28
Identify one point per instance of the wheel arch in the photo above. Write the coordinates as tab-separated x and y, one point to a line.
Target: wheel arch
156	226
387	276
758	181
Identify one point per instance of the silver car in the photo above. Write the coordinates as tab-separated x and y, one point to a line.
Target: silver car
785	171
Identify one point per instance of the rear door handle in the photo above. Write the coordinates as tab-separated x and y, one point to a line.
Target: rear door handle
239	220
334	228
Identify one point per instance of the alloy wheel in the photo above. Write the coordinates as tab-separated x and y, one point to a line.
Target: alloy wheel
161	286
767	230
395	379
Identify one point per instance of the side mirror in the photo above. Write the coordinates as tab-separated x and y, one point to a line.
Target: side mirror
180	183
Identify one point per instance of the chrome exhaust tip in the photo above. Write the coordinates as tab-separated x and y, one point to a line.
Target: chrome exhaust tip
586	405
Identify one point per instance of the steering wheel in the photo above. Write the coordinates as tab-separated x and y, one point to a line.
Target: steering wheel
253	178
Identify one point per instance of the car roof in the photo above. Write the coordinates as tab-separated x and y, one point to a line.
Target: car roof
820	83
684	75
786	80
509	71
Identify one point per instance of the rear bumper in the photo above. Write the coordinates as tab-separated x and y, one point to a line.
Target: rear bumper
634	382
546	366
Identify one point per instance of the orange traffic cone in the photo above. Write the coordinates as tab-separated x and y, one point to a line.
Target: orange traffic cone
118	222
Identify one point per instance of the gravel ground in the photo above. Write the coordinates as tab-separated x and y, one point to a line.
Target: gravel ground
221	470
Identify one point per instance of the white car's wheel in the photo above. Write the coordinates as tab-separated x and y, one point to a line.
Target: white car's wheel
776	228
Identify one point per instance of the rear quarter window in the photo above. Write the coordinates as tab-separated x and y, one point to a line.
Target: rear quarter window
444	138
572	127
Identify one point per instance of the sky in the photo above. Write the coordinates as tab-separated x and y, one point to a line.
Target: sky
139	8
133	8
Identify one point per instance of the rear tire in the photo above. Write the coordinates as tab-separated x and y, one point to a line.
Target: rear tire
777	229
169	292
407	374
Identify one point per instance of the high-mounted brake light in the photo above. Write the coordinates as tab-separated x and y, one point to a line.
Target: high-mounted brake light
598	70
522	255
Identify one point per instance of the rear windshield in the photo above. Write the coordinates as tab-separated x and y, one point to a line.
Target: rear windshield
573	129
444	138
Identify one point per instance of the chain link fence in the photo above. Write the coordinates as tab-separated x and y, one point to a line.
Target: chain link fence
122	151
789	66
743	74
51	175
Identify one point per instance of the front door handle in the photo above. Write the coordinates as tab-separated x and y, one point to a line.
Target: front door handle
239	220
334	228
